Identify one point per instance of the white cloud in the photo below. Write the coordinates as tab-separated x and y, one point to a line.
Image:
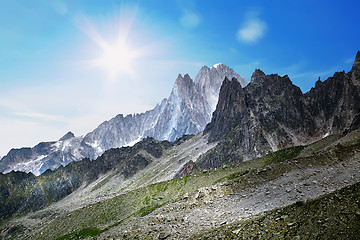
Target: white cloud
251	30
189	19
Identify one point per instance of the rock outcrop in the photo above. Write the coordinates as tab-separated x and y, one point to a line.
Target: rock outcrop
230	110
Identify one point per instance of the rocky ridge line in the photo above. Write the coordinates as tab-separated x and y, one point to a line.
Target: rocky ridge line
187	111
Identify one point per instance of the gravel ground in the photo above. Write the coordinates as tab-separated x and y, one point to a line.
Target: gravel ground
213	207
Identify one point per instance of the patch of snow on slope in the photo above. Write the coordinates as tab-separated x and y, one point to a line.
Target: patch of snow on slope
96	146
216	65
30	166
66	144
132	143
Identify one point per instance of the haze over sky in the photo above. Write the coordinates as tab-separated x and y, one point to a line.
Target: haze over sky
70	65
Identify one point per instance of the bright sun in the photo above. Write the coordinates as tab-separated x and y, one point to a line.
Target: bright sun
116	59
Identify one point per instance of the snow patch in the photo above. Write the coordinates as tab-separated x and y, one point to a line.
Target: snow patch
41	157
66	144
216	65
132	143
57	145
96	146
325	135
29	166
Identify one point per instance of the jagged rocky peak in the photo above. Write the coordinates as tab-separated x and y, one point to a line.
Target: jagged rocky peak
184	82
356	65
229	110
355	70
179	79
209	80
318	82
231	97
336	100
257	76
260	78
279	115
215	75
67	136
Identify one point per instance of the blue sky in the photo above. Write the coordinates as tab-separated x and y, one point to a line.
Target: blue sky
55	73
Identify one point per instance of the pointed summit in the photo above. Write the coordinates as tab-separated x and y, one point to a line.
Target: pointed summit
356	65
355	70
229	110
257	76
67	136
179	78
187	78
357	59
209	80
184	82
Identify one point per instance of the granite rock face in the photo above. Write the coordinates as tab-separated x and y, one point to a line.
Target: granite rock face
271	113
209	80
230	110
186	111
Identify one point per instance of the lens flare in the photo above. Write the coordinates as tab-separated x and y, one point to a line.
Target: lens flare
116	57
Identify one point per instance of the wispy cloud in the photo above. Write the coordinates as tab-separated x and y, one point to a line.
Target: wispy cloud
60	7
189	19
349	60
42	116
252	29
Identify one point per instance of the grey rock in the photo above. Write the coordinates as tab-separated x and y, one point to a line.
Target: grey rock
187	111
230	110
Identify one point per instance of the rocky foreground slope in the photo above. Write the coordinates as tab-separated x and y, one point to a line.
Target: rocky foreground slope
286	194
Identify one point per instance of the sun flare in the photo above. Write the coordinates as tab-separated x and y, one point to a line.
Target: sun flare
116	59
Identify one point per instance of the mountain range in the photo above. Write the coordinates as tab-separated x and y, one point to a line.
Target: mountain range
272	163
271	113
186	111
